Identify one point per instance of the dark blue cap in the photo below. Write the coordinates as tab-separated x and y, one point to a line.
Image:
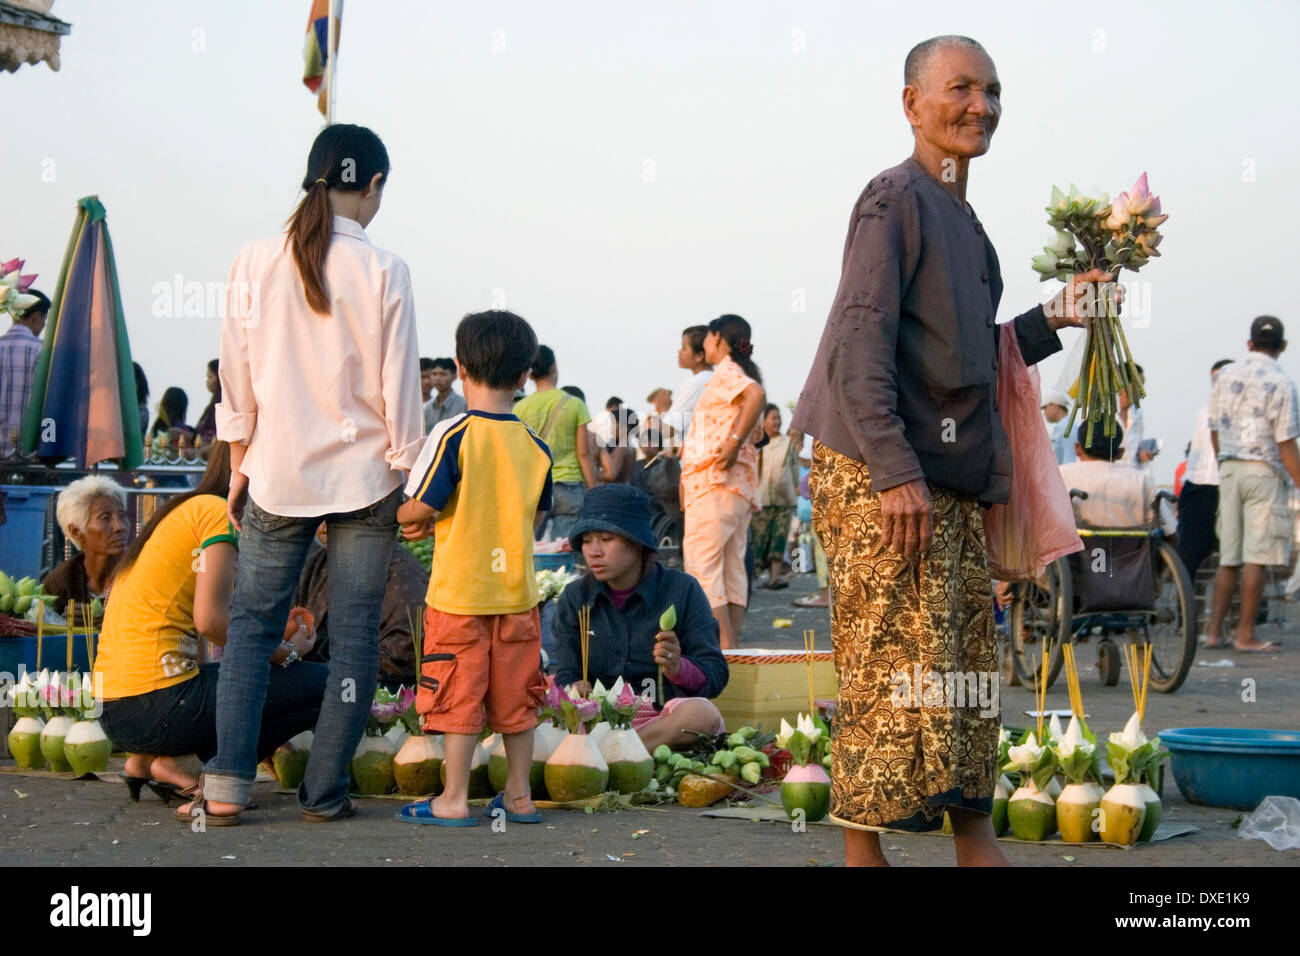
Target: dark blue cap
619	509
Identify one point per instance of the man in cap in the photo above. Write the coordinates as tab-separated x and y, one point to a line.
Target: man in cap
1056	406
1254	423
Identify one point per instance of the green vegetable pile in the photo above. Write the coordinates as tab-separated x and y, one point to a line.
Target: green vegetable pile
739	753
423	551
22	598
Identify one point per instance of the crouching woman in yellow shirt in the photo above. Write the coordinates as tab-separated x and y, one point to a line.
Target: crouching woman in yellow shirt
173	586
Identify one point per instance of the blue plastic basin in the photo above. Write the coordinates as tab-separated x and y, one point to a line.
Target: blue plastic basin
1233	767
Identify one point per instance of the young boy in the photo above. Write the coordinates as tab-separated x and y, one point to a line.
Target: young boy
690	357
480	483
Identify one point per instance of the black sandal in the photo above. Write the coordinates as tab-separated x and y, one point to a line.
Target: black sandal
166	792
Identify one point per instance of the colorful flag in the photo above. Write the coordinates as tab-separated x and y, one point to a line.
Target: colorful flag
315	50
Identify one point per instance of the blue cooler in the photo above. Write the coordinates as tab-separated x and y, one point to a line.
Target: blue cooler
22	536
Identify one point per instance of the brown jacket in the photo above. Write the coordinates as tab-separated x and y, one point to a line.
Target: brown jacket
905	378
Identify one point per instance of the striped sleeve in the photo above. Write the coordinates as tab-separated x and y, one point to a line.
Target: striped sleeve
214	523
437	471
544	502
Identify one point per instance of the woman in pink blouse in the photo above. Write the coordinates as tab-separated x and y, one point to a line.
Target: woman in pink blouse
720	474
320	386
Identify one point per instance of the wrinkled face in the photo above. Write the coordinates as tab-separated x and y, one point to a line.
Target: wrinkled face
105	532
958	103
442	379
608	555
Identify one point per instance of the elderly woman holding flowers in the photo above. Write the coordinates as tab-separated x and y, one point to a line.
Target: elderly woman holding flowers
902	403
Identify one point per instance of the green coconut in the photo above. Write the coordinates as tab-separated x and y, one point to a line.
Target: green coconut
1002	791
1123	810
25	743
417	768
576	770
372	766
1075	811
545	739
1031	813
52	743
1154	811
630	765
87	747
806	788
480	785
290	760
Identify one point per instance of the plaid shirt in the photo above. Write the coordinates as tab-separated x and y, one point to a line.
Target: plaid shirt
1253	407
19	349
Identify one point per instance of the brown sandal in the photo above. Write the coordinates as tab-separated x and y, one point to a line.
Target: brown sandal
207	816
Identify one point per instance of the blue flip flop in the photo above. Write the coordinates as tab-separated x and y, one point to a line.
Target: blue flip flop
422	812
499	803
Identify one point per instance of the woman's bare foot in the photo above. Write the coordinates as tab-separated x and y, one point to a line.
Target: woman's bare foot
167	770
975	841
862	848
215	807
138	765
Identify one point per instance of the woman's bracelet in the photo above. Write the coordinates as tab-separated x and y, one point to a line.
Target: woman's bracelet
289	658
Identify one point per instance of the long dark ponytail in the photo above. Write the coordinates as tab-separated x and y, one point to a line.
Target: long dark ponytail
735	332
344	157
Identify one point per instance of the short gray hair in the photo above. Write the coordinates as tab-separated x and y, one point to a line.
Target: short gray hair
919	57
76	500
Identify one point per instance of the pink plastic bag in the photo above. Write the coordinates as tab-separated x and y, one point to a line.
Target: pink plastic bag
1036	525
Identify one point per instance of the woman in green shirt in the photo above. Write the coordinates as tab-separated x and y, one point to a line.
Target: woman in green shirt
560	420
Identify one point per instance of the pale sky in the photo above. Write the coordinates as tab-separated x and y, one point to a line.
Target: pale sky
615	172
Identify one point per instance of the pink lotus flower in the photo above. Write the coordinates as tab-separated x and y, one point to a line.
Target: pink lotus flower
25	282
555	695
1140	200
387	707
626	700
587	709
13	265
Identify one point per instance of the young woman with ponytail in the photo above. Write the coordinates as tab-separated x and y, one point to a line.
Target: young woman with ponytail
320	386
720	473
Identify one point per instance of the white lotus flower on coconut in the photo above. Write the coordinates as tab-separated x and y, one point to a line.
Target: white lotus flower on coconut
598	691
1073	740
806	727
1026	755
1054	729
611	695
784	733
1131	737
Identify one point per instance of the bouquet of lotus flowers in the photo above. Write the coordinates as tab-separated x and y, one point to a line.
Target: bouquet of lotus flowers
14	298
1098	233
59	696
1079	758
86	747
551	582
576	769
25	735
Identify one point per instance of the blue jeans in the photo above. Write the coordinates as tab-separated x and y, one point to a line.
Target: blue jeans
566	508
272	551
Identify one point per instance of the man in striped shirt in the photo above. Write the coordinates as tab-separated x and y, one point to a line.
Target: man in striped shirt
19	348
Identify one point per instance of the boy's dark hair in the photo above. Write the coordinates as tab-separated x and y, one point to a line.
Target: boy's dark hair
426	364
42	304
496	347
695	336
576	392
1107	449
613	402
446	364
543	361
1219	364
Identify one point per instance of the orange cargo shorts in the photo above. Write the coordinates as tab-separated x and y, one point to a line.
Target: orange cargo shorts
480	666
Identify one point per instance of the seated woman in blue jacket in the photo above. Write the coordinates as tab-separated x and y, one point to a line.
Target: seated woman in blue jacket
627	591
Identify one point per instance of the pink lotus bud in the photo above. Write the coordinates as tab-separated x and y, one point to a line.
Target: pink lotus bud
587	709
1140	188
25	282
13	265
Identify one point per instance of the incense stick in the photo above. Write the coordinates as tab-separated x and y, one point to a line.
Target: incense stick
1040	685
40	635
70	624
584	635
1072	681
88	615
809	645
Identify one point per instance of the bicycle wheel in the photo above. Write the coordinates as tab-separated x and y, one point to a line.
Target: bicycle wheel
1041	610
1171	629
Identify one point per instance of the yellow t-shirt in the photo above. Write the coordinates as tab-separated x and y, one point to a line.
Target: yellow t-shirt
487	475
148	640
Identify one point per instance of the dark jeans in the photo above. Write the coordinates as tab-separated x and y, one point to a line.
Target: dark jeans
1198	506
272	551
182	719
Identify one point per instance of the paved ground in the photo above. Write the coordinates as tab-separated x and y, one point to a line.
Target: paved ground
45	821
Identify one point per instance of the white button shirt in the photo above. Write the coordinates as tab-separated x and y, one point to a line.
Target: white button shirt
329	405
1202	466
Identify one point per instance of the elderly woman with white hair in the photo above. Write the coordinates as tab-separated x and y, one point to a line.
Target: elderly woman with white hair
92	514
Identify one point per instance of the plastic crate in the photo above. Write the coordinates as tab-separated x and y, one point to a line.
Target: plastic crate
559	561
19	653
24	533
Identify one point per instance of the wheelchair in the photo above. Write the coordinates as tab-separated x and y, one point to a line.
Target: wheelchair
1127	583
